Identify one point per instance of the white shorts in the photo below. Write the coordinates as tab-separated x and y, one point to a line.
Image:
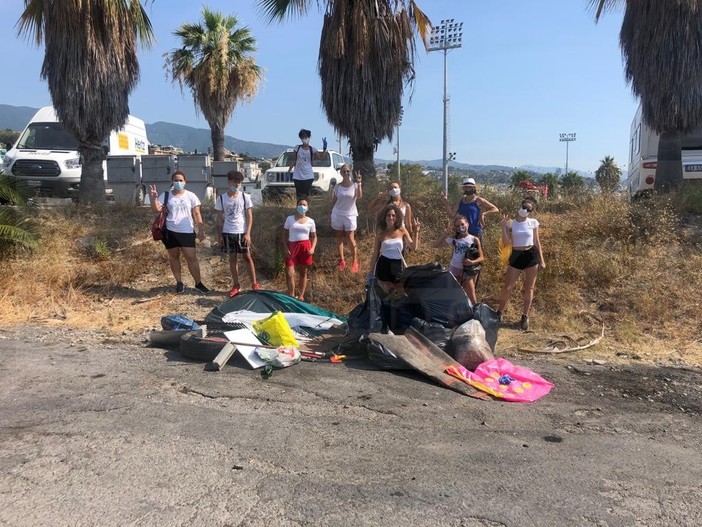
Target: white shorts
339	222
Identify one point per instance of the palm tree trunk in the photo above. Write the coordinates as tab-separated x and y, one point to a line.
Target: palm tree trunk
217	143
363	159
92	177
669	168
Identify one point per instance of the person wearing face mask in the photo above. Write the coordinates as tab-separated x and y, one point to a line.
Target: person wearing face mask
179	236
393	196
467	255
300	243
234	218
345	213
523	234
472	207
301	162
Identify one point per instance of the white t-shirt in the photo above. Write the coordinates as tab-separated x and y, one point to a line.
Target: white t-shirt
180	211
303	165
298	232
345	201
460	245
523	232
234	211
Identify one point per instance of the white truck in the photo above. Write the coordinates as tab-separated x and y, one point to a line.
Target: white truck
277	180
45	156
643	156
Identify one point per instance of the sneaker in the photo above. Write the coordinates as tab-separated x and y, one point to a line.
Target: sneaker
354	267
342	265
524	323
201	287
256	286
234	291
180	287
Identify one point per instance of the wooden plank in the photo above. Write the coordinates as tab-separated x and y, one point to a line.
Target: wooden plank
427	358
222	357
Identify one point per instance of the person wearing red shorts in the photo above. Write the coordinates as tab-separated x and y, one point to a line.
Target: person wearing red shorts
301	240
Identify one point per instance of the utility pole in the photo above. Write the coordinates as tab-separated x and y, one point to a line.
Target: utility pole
447	35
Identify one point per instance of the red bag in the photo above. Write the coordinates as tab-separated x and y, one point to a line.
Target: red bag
159	224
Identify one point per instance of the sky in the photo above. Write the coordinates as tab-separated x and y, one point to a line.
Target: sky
526	72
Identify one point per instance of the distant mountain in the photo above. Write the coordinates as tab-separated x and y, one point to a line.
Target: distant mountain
15	117
191	139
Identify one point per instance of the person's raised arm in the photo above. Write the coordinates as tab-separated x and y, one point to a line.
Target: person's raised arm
378	202
441	240
155	204
450	212
359	185
413	242
486	208
409	220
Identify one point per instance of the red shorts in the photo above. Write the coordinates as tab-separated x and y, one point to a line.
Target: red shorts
299	254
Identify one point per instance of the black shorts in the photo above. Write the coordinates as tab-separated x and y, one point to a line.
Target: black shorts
523	259
388	270
303	188
178	239
234	243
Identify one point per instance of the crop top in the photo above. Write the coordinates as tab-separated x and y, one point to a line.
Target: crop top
523	232
391	248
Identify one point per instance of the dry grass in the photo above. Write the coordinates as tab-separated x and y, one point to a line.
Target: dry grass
636	267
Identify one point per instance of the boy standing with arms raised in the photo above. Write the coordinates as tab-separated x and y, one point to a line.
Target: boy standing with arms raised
234	220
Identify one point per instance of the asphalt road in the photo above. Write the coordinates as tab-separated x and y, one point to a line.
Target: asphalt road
97	431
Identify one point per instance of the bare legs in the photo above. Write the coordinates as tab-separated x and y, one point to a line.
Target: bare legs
301	281
190	260
529	286
349	238
234	267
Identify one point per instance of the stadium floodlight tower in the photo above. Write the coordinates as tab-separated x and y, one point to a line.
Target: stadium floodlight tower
447	35
566	138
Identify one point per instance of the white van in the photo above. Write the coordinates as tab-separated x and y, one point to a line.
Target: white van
46	156
643	156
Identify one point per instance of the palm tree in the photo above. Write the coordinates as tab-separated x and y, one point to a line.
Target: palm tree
572	182
91	67
366	57
215	63
518	176
15	230
608	174
550	180
663	62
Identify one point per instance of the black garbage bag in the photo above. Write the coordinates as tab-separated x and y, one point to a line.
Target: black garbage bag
437	295
364	318
435	332
383	357
489	320
398	314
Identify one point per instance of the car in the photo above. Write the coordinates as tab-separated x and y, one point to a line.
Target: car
277	181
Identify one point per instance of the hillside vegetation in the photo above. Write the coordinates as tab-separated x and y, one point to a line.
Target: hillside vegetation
636	267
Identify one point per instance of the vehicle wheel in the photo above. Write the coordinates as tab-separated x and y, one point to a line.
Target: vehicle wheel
202	349
140	196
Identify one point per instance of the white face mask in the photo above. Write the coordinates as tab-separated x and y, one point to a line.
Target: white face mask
306	140
523	212
394	192
234	188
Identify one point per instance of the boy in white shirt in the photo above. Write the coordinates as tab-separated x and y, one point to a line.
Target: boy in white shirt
234	221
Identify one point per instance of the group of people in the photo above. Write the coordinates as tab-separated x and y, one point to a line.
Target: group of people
397	231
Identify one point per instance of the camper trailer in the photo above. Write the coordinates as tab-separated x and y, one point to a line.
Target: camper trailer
643	156
45	156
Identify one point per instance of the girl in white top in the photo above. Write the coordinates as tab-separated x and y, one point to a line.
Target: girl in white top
182	220
393	196
523	234
344	214
467	255
301	241
387	262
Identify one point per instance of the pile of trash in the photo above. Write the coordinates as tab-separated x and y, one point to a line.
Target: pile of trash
434	329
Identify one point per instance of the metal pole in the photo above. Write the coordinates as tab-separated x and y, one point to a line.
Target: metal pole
398	156
566	172
445	126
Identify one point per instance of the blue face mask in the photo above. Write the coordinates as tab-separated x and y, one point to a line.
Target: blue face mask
301	209
178	185
235	188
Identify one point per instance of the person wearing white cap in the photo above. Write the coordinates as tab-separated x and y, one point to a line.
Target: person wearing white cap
471	206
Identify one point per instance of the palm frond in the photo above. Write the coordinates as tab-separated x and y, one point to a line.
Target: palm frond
600	6
280	9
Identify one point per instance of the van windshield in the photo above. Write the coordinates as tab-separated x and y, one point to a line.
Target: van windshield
284	160
47	136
